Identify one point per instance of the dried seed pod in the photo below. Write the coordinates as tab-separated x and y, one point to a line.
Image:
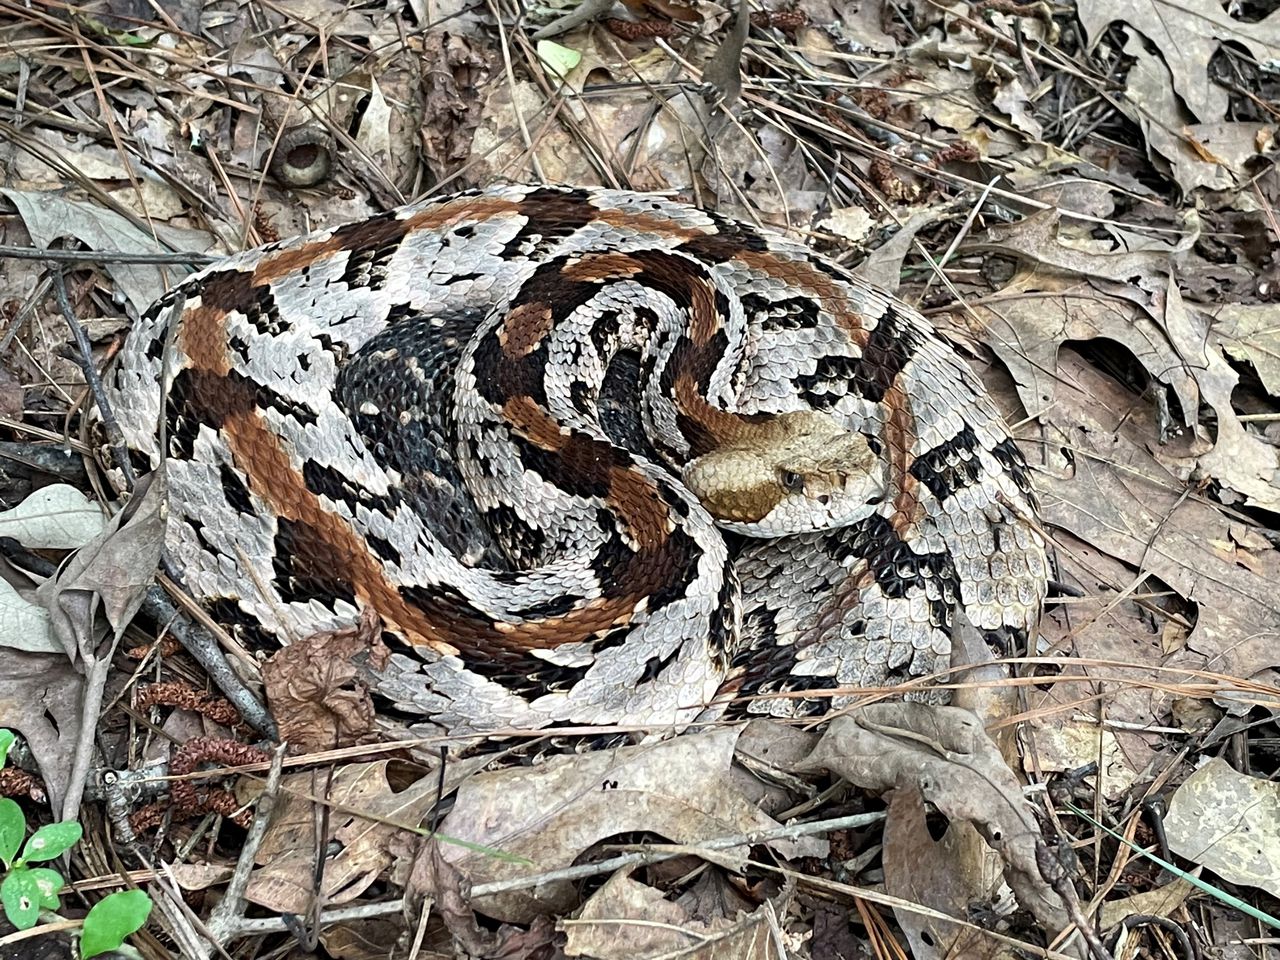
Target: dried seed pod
304	156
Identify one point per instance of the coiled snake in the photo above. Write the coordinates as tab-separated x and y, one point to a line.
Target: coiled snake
591	456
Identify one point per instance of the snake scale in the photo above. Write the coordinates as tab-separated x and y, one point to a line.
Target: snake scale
591	456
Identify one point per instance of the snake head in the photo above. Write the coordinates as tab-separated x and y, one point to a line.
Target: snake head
793	473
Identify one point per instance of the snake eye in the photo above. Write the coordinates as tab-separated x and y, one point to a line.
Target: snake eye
791	482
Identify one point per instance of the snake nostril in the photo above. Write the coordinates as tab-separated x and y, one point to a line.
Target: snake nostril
824	499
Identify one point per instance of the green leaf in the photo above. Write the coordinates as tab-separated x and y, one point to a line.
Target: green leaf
50	884
111	920
13	827
52	840
20	894
6	741
559	60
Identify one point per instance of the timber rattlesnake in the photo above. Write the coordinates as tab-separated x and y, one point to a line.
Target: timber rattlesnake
505	419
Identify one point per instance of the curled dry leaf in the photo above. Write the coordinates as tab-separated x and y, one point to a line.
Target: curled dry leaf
1250	332
436	878
680	789
40	697
724	70
1152	103
314	688
949	875
112	571
1105	487
1123	289
944	753
437	886
1011	99
454	71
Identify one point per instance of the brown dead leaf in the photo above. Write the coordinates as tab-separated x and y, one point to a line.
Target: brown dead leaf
984	695
1060	745
455	70
40	697
199	875
1228	822
1239	458
1104	486
1036	313
1128	294
680	789
724	70
377	938
629	920
1100	627
1250	332
1012	100
439	886
1187	36
50	217
498	150
945	754
755	176
862	23
883	266
366	812
1152	103
435	885
1123	255
950	875
671	9
314	690
766	757
12	393
1160	902
112	571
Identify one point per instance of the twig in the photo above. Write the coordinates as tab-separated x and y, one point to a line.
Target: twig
103	256
1058	877
228	914
85	360
205	649
365	911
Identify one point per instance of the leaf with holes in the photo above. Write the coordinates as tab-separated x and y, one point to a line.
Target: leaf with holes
20	894
52	840
49	884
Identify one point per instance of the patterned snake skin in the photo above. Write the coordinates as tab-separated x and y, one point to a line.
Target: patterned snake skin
482	417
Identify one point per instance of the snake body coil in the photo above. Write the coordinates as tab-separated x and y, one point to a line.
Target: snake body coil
590	455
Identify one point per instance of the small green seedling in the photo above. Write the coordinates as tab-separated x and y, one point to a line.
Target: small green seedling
27	891
112	919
